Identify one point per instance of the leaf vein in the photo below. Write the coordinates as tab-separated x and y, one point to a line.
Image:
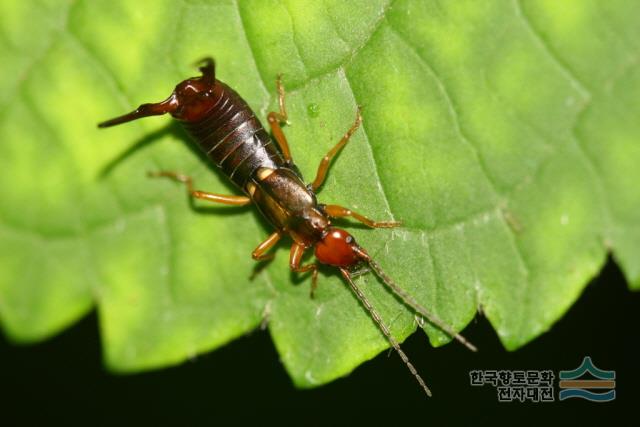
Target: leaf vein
268	96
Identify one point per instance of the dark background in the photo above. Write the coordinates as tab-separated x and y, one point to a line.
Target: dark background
62	380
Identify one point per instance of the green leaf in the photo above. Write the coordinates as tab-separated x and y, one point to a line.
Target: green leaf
503	134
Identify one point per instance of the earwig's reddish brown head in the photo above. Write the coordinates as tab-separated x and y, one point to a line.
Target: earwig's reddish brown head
190	100
339	248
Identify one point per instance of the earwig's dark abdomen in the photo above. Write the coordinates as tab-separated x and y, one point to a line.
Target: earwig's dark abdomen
233	138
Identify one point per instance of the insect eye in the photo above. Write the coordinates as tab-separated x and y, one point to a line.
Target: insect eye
349	239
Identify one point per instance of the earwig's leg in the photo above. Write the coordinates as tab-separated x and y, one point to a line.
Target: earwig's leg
275	119
259	253
336	211
323	168
212	197
295	259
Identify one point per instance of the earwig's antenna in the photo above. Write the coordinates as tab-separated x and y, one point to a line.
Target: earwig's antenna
385	330
411	302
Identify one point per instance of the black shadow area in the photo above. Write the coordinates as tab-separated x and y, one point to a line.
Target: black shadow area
62	381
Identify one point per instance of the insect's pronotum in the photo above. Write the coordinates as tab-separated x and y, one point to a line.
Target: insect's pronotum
227	130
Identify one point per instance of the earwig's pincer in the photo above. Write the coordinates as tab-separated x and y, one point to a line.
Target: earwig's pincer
228	132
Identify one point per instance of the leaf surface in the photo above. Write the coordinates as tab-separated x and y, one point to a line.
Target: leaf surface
503	135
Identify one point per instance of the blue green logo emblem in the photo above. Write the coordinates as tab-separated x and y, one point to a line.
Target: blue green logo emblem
598	386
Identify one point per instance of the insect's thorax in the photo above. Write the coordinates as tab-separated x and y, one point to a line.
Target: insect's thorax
286	202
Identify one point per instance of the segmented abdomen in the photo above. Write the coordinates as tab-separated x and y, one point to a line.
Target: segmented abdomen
233	138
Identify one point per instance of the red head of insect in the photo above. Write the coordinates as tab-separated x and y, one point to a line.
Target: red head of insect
339	248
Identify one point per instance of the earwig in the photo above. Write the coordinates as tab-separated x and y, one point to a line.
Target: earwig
230	134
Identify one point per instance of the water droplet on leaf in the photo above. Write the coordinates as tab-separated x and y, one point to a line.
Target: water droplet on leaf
313	109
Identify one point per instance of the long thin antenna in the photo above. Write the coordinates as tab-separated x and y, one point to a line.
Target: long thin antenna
411	302
385	330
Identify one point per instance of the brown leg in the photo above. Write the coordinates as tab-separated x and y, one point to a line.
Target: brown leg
275	119
259	253
295	259
336	211
326	160
219	198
